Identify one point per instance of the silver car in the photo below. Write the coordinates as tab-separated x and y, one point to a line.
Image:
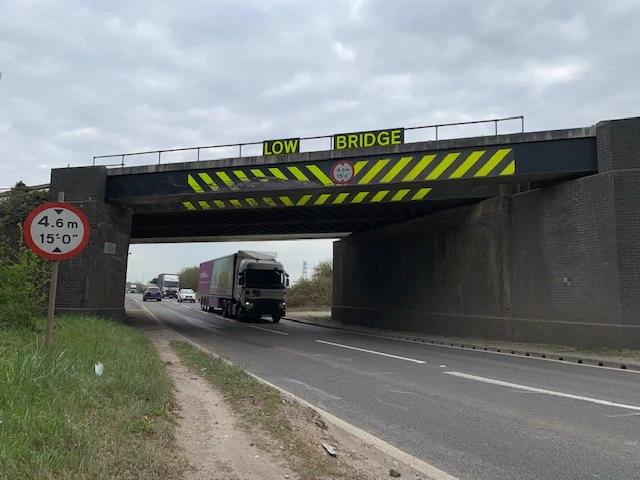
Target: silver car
187	295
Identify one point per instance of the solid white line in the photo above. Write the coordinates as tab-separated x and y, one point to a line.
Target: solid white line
371	351
540	390
267	330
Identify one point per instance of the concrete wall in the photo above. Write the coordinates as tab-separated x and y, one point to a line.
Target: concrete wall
557	265
93	282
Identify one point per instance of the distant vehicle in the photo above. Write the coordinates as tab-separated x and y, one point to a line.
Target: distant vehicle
186	295
244	285
169	284
152	293
132	288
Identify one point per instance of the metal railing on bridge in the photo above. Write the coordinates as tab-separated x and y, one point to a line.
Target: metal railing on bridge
238	147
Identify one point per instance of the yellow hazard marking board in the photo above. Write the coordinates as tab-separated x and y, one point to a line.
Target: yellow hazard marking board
275	200
389	178
398	169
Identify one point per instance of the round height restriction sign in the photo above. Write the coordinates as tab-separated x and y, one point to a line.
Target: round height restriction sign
342	172
56	231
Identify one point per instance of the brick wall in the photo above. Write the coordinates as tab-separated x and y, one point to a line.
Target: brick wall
442	274
566	232
627	217
93	282
618	144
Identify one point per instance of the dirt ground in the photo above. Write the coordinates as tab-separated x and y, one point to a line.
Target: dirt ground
206	434
215	447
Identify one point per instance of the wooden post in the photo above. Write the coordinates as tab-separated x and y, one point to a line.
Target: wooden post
53	286
52	302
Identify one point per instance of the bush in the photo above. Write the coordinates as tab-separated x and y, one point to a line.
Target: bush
313	293
24	278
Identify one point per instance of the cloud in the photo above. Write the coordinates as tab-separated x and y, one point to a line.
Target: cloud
91	78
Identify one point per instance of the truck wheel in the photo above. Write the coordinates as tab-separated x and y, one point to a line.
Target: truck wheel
242	314
225	309
275	318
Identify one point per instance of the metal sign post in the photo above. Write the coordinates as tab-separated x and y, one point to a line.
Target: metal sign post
56	231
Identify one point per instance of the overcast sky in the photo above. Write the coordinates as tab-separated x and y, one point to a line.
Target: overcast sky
85	78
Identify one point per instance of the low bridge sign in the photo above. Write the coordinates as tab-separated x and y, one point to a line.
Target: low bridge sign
56	231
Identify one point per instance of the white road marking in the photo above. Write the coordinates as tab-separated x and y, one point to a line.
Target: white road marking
401	392
541	390
623	415
312	389
268	330
371	351
389	404
428	343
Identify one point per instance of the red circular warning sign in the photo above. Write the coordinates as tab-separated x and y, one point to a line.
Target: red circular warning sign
56	231
342	172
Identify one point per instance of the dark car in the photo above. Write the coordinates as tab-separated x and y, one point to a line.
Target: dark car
152	293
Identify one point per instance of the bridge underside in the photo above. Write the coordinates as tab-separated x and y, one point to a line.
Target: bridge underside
277	223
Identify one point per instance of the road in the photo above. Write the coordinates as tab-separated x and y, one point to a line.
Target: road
473	414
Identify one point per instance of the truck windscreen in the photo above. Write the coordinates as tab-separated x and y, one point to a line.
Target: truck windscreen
264	279
171	284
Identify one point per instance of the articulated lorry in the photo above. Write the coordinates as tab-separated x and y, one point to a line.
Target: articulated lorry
245	285
169	284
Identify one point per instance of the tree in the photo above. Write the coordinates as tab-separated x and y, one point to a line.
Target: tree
15	205
313	293
189	278
323	271
154	281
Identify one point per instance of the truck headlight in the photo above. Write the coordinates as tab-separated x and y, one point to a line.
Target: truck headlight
248	304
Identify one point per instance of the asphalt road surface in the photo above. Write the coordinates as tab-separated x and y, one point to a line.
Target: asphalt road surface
473	414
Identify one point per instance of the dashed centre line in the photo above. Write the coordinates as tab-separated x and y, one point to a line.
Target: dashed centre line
371	351
541	390
268	330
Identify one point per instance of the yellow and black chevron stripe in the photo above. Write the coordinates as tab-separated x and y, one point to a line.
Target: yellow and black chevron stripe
464	164
271	200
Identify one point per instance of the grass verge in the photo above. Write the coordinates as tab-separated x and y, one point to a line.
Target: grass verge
258	405
59	419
